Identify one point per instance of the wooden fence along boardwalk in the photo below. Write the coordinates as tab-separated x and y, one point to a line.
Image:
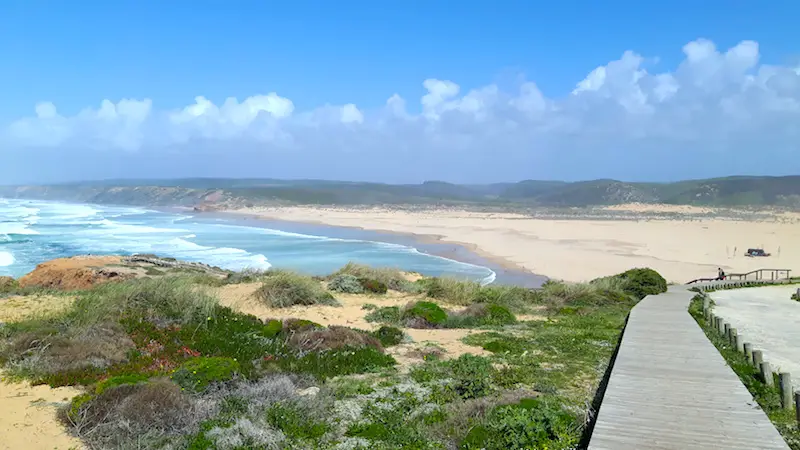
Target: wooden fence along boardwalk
671	389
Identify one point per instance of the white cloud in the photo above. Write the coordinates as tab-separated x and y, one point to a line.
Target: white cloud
712	102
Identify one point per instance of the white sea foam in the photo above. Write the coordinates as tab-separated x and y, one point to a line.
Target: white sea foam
70	229
15	228
6	259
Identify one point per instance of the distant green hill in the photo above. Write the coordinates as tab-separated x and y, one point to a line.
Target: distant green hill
728	191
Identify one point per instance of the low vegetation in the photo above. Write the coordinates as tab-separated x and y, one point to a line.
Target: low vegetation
281	289
380	279
164	365
767	397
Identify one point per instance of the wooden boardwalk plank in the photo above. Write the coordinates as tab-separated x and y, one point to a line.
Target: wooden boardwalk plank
671	389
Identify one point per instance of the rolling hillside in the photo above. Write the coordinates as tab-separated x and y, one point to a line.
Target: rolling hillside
729	191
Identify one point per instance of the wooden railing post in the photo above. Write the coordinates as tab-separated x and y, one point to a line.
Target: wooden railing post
766	374
786	390
797	406
758	358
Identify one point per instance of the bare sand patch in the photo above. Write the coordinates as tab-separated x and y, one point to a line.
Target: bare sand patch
28	417
351	314
28	413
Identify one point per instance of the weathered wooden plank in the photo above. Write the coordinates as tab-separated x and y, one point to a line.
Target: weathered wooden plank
671	389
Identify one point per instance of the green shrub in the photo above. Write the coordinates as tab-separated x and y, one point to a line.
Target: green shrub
344	282
8	284
471	376
795	297
643	282
392	278
389	336
284	289
388	314
296	424
332	363
271	328
373	286
333	337
119	380
292	326
532	423
197	373
75	405
481	314
423	315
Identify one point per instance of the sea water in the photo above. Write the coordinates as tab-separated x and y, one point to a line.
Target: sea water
33	231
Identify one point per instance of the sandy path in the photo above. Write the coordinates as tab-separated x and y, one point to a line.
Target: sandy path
28	413
580	250
768	319
28	417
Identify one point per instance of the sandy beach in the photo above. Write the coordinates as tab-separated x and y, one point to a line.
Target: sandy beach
681	242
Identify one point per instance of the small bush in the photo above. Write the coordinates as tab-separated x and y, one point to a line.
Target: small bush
197	373
132	416
795	297
643	282
389	336
333	337
343	361
284	289
481	314
388	314
292	326
531	423
56	356
8	284
246	276
346	283
471	376
119	381
295	422
423	315
392	278
373	286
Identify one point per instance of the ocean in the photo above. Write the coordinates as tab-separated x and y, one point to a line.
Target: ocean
33	231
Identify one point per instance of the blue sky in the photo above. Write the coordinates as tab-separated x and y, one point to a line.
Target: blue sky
322	56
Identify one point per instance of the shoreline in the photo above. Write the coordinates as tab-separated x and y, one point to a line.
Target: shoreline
580	247
506	272
420	237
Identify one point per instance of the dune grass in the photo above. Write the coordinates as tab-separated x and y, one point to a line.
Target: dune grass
281	289
394	279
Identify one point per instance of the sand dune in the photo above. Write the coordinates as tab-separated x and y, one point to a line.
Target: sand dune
691	245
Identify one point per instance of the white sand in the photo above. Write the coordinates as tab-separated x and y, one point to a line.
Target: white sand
579	250
767	318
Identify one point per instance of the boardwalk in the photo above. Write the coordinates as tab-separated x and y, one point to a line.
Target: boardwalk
671	389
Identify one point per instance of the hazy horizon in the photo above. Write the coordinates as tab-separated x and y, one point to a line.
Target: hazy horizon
110	181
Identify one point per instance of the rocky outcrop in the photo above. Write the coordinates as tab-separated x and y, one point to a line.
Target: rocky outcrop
79	272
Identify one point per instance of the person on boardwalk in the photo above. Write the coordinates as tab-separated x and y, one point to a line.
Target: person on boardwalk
720	273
